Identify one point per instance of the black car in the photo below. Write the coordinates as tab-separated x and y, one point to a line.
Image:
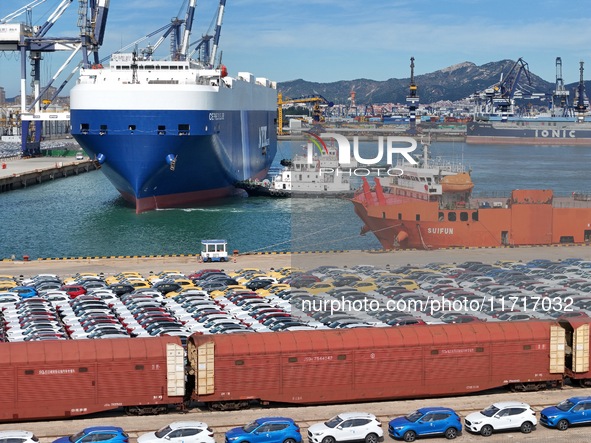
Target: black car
165	287
121	288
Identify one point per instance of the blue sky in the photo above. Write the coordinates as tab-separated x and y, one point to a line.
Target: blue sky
331	40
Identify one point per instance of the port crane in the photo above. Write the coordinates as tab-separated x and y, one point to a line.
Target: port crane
499	99
316	111
412	99
580	106
32	41
560	97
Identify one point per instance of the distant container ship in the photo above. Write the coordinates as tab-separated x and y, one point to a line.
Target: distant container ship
430	206
530	131
178	132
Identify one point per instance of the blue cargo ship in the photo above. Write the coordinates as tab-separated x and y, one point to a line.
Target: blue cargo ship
178	132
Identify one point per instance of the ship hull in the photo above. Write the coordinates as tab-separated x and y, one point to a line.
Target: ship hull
532	223
175	145
205	165
533	132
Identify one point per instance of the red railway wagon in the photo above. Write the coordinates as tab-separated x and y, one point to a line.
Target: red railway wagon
52	379
362	364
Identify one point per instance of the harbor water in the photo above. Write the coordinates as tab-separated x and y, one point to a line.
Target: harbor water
85	216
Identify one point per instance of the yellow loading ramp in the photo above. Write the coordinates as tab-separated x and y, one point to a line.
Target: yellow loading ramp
205	369
581	349
557	349
175	370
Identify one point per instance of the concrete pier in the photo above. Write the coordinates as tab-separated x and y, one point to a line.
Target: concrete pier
21	173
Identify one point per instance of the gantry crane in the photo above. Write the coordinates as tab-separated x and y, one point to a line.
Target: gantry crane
499	98
32	42
316	112
560	97
580	106
412	99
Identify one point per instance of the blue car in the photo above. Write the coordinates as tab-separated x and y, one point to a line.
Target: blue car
426	421
571	411
104	434
266	430
24	291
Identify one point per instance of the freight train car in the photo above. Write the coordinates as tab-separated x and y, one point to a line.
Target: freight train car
363	364
50	379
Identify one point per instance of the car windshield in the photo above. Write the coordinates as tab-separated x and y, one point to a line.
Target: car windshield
565	405
251	426
334	422
160	433
414	416
74	438
490	411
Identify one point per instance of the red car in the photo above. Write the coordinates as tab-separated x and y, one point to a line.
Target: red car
74	290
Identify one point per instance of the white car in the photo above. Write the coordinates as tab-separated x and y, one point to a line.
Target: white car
348	426
180	432
502	415
18	437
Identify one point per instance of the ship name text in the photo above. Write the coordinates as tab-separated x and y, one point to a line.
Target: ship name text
444	231
217	116
555	133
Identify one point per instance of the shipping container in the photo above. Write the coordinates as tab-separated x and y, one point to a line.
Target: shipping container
52	379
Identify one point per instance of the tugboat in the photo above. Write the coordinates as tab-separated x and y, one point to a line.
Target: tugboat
322	177
430	206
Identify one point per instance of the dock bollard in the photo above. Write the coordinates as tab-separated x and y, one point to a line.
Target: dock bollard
3	165
25	258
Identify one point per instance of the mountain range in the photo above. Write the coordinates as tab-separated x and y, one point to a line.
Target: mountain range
453	83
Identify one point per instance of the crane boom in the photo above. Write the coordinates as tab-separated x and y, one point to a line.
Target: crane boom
22	10
188	26
53	18
317	99
218	29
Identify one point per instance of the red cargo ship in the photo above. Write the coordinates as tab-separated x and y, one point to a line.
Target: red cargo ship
431	206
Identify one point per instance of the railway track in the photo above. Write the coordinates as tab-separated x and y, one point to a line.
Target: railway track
47	431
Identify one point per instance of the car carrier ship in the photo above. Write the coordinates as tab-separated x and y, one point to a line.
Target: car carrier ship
176	132
430	206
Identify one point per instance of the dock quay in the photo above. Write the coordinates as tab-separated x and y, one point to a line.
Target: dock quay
23	172
451	134
306	260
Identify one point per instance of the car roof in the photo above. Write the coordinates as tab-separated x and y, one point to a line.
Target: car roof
348	415
274	419
187	424
579	398
509	404
434	409
15	434
102	428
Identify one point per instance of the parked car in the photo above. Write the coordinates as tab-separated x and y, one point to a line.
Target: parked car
104	434
426	421
500	416
571	411
348	426
266	430
18	437
180	432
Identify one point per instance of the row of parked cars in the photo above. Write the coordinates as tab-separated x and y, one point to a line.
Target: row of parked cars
348	426
129	304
